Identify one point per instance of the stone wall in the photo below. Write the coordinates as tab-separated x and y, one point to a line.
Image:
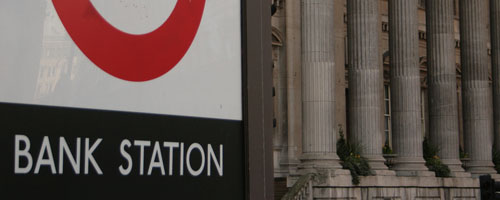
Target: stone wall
395	188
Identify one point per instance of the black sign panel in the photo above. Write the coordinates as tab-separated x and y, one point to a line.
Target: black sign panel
69	153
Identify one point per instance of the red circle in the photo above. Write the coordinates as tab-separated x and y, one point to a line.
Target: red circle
126	56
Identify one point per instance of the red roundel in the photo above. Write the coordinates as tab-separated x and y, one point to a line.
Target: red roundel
126	56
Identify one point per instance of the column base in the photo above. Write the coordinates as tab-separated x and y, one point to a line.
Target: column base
411	166
292	165
325	172
454	164
376	162
323	175
456	169
480	167
319	161
378	167
496	177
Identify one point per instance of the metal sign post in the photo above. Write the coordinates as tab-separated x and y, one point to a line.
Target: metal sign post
258	101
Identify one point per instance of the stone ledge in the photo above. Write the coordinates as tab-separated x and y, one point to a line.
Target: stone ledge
415	173
342	178
398	181
396	193
458	174
383	173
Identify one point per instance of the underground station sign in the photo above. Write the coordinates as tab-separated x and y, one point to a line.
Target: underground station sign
121	99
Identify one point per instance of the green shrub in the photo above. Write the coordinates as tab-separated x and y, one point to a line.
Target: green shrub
343	149
351	159
429	150
438	167
433	162
462	153
496	159
387	149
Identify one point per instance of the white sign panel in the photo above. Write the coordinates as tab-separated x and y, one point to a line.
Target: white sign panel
56	61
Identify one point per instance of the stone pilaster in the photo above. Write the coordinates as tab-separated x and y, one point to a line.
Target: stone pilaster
405	88
495	67
318	82
476	92
294	95
441	76
365	80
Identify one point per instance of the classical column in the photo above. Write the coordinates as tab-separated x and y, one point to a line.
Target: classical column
476	92
365	80
340	63
441	78
495	67
405	88
318	74
293	70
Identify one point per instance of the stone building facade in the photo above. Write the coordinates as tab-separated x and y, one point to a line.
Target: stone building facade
386	72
